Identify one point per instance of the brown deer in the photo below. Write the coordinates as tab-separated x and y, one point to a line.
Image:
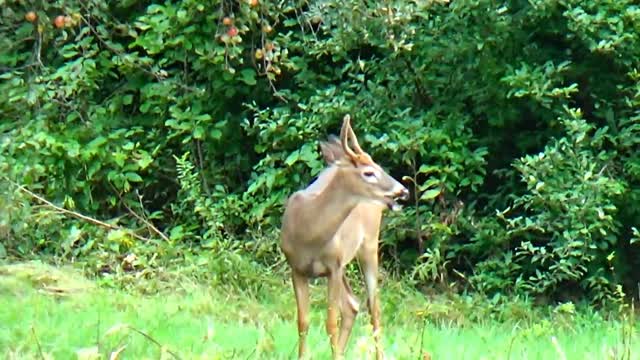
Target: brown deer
363	223
329	223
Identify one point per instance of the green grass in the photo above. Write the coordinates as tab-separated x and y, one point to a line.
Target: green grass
55	313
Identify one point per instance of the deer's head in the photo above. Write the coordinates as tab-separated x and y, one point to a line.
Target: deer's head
361	175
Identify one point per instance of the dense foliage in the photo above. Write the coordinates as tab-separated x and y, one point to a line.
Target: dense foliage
517	123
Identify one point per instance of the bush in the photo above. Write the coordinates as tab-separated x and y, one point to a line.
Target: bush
185	125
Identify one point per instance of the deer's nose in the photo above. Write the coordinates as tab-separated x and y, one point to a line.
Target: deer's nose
403	194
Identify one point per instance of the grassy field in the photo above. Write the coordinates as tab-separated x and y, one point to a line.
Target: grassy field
54	313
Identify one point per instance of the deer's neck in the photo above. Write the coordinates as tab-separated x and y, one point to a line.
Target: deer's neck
320	214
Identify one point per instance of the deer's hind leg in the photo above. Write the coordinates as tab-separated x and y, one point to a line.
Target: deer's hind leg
301	289
348	311
334	305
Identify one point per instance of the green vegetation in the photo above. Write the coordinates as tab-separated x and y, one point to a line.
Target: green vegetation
142	136
182	125
61	315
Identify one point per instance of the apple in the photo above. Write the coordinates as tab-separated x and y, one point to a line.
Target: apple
31	16
233	31
59	21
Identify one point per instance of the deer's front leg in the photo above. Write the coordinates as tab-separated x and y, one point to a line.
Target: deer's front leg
369	262
334	287
301	289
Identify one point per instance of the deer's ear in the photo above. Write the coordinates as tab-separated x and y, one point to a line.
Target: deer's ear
327	153
332	151
334	140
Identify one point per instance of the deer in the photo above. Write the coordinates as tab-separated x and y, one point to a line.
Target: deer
364	221
328	224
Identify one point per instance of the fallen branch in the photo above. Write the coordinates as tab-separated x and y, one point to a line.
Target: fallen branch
148	223
76	214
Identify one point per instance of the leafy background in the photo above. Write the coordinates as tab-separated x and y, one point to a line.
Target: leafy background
183	132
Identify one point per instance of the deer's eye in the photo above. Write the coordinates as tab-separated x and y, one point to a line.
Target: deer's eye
369	174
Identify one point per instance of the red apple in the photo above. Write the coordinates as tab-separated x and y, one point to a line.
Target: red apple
59	21
233	31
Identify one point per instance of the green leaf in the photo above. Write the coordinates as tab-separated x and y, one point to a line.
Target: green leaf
429	184
133	177
430	194
248	76
215	134
127	99
292	158
144	107
198	133
427	169
119	158
145	160
117	235
176	233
